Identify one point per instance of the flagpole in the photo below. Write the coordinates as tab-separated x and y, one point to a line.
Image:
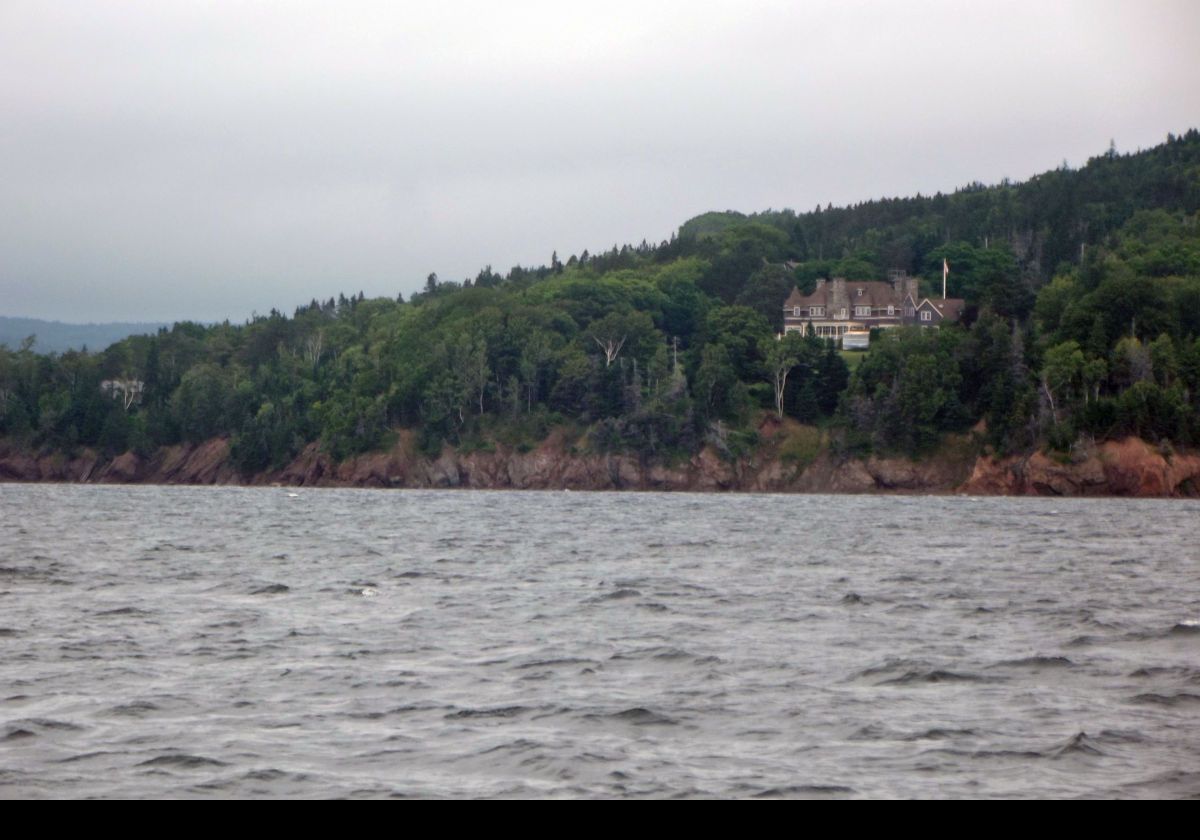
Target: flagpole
945	271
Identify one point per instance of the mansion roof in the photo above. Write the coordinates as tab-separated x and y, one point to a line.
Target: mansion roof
873	292
869	303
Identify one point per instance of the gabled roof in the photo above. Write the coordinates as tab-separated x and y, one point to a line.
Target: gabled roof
874	292
950	309
794	299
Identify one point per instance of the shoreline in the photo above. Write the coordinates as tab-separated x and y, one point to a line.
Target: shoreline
1126	468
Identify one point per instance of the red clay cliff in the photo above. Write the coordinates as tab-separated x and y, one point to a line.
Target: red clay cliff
1129	467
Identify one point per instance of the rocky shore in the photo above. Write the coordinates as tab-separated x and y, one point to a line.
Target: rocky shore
1129	467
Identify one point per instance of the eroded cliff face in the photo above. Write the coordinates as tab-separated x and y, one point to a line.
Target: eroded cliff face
555	465
205	463
1121	468
1129	467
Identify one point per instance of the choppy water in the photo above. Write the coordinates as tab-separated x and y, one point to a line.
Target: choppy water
265	642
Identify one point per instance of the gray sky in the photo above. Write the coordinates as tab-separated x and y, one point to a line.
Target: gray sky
169	160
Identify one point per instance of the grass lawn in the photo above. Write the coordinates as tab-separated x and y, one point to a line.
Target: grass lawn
853	358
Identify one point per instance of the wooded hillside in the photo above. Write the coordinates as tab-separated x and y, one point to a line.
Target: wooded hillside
1083	290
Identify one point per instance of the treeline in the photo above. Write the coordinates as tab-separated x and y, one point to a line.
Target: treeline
659	349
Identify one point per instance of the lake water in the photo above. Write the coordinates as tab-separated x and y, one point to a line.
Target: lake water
217	642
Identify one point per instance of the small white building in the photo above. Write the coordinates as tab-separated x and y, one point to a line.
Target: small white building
856	339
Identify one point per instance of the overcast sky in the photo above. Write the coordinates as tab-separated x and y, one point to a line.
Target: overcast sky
166	160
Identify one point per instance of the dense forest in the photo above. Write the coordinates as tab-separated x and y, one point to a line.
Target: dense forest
1083	323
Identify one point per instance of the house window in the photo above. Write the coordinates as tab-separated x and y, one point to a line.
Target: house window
909	311
816	310
860	292
862	311
891	310
926	315
796	311
842	313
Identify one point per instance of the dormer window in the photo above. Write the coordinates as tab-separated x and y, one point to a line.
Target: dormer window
862	311
796	311
860	292
891	310
926	315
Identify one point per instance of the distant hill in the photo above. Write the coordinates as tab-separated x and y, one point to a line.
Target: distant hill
57	337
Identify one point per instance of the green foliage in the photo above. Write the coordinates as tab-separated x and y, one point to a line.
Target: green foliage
199	403
987	276
765	291
719	393
742	333
906	392
801	446
1149	411
736	254
1062	371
